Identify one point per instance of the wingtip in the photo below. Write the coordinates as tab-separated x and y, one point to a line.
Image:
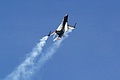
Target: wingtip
49	33
75	25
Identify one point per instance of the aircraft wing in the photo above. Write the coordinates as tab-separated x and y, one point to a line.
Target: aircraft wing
53	33
71	27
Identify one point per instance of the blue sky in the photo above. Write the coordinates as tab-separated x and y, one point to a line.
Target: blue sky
91	52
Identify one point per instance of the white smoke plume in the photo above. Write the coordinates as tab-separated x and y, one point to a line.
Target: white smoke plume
26	68
51	50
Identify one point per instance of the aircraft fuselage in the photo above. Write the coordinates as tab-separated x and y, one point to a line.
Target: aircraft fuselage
64	22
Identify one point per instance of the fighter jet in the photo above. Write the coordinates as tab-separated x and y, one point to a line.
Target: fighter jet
62	28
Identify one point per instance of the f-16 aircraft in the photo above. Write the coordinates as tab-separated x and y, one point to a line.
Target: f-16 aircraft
62	28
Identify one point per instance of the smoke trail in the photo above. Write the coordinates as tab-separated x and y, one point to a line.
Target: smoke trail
46	56
25	70
49	53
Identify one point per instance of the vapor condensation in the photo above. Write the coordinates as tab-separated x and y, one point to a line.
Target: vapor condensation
26	68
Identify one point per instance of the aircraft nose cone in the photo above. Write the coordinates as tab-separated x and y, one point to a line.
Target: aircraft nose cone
66	15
